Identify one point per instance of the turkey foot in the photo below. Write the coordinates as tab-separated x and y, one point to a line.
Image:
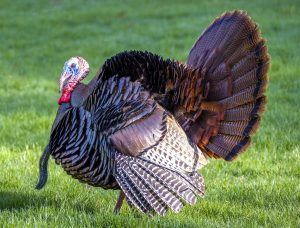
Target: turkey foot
119	202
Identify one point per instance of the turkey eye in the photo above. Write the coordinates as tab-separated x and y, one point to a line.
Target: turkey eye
73	65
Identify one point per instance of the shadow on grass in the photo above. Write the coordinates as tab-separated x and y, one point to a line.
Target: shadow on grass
17	201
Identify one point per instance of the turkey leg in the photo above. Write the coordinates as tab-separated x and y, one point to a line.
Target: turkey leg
119	202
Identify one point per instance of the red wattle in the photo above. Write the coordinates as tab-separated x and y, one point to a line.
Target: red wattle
65	97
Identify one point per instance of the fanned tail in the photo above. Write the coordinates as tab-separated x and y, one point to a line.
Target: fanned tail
234	62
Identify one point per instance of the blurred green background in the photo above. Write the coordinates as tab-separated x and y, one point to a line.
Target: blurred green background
261	188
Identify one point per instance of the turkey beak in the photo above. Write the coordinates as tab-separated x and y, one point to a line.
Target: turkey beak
64	79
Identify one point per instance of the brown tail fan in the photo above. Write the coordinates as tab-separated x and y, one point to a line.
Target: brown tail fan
235	62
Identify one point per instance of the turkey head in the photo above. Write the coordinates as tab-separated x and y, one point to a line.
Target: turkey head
74	71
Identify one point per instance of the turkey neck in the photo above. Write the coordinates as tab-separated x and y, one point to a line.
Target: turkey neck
81	92
78	96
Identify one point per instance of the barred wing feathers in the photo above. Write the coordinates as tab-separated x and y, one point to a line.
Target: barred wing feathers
164	176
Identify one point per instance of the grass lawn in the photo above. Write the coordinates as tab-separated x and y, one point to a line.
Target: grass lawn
261	188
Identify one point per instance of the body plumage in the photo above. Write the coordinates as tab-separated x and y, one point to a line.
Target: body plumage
145	124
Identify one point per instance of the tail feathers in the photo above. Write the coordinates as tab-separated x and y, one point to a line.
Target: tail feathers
243	47
256	76
218	31
245	96
153	189
235	62
247	111
228	152
255	59
220	90
241	128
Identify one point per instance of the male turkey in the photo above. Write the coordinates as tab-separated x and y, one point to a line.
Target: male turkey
145	125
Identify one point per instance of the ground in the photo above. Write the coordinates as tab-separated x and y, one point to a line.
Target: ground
261	188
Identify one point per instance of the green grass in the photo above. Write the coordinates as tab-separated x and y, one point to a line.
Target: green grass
261	188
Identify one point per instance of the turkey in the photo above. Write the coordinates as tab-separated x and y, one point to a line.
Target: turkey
145	125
